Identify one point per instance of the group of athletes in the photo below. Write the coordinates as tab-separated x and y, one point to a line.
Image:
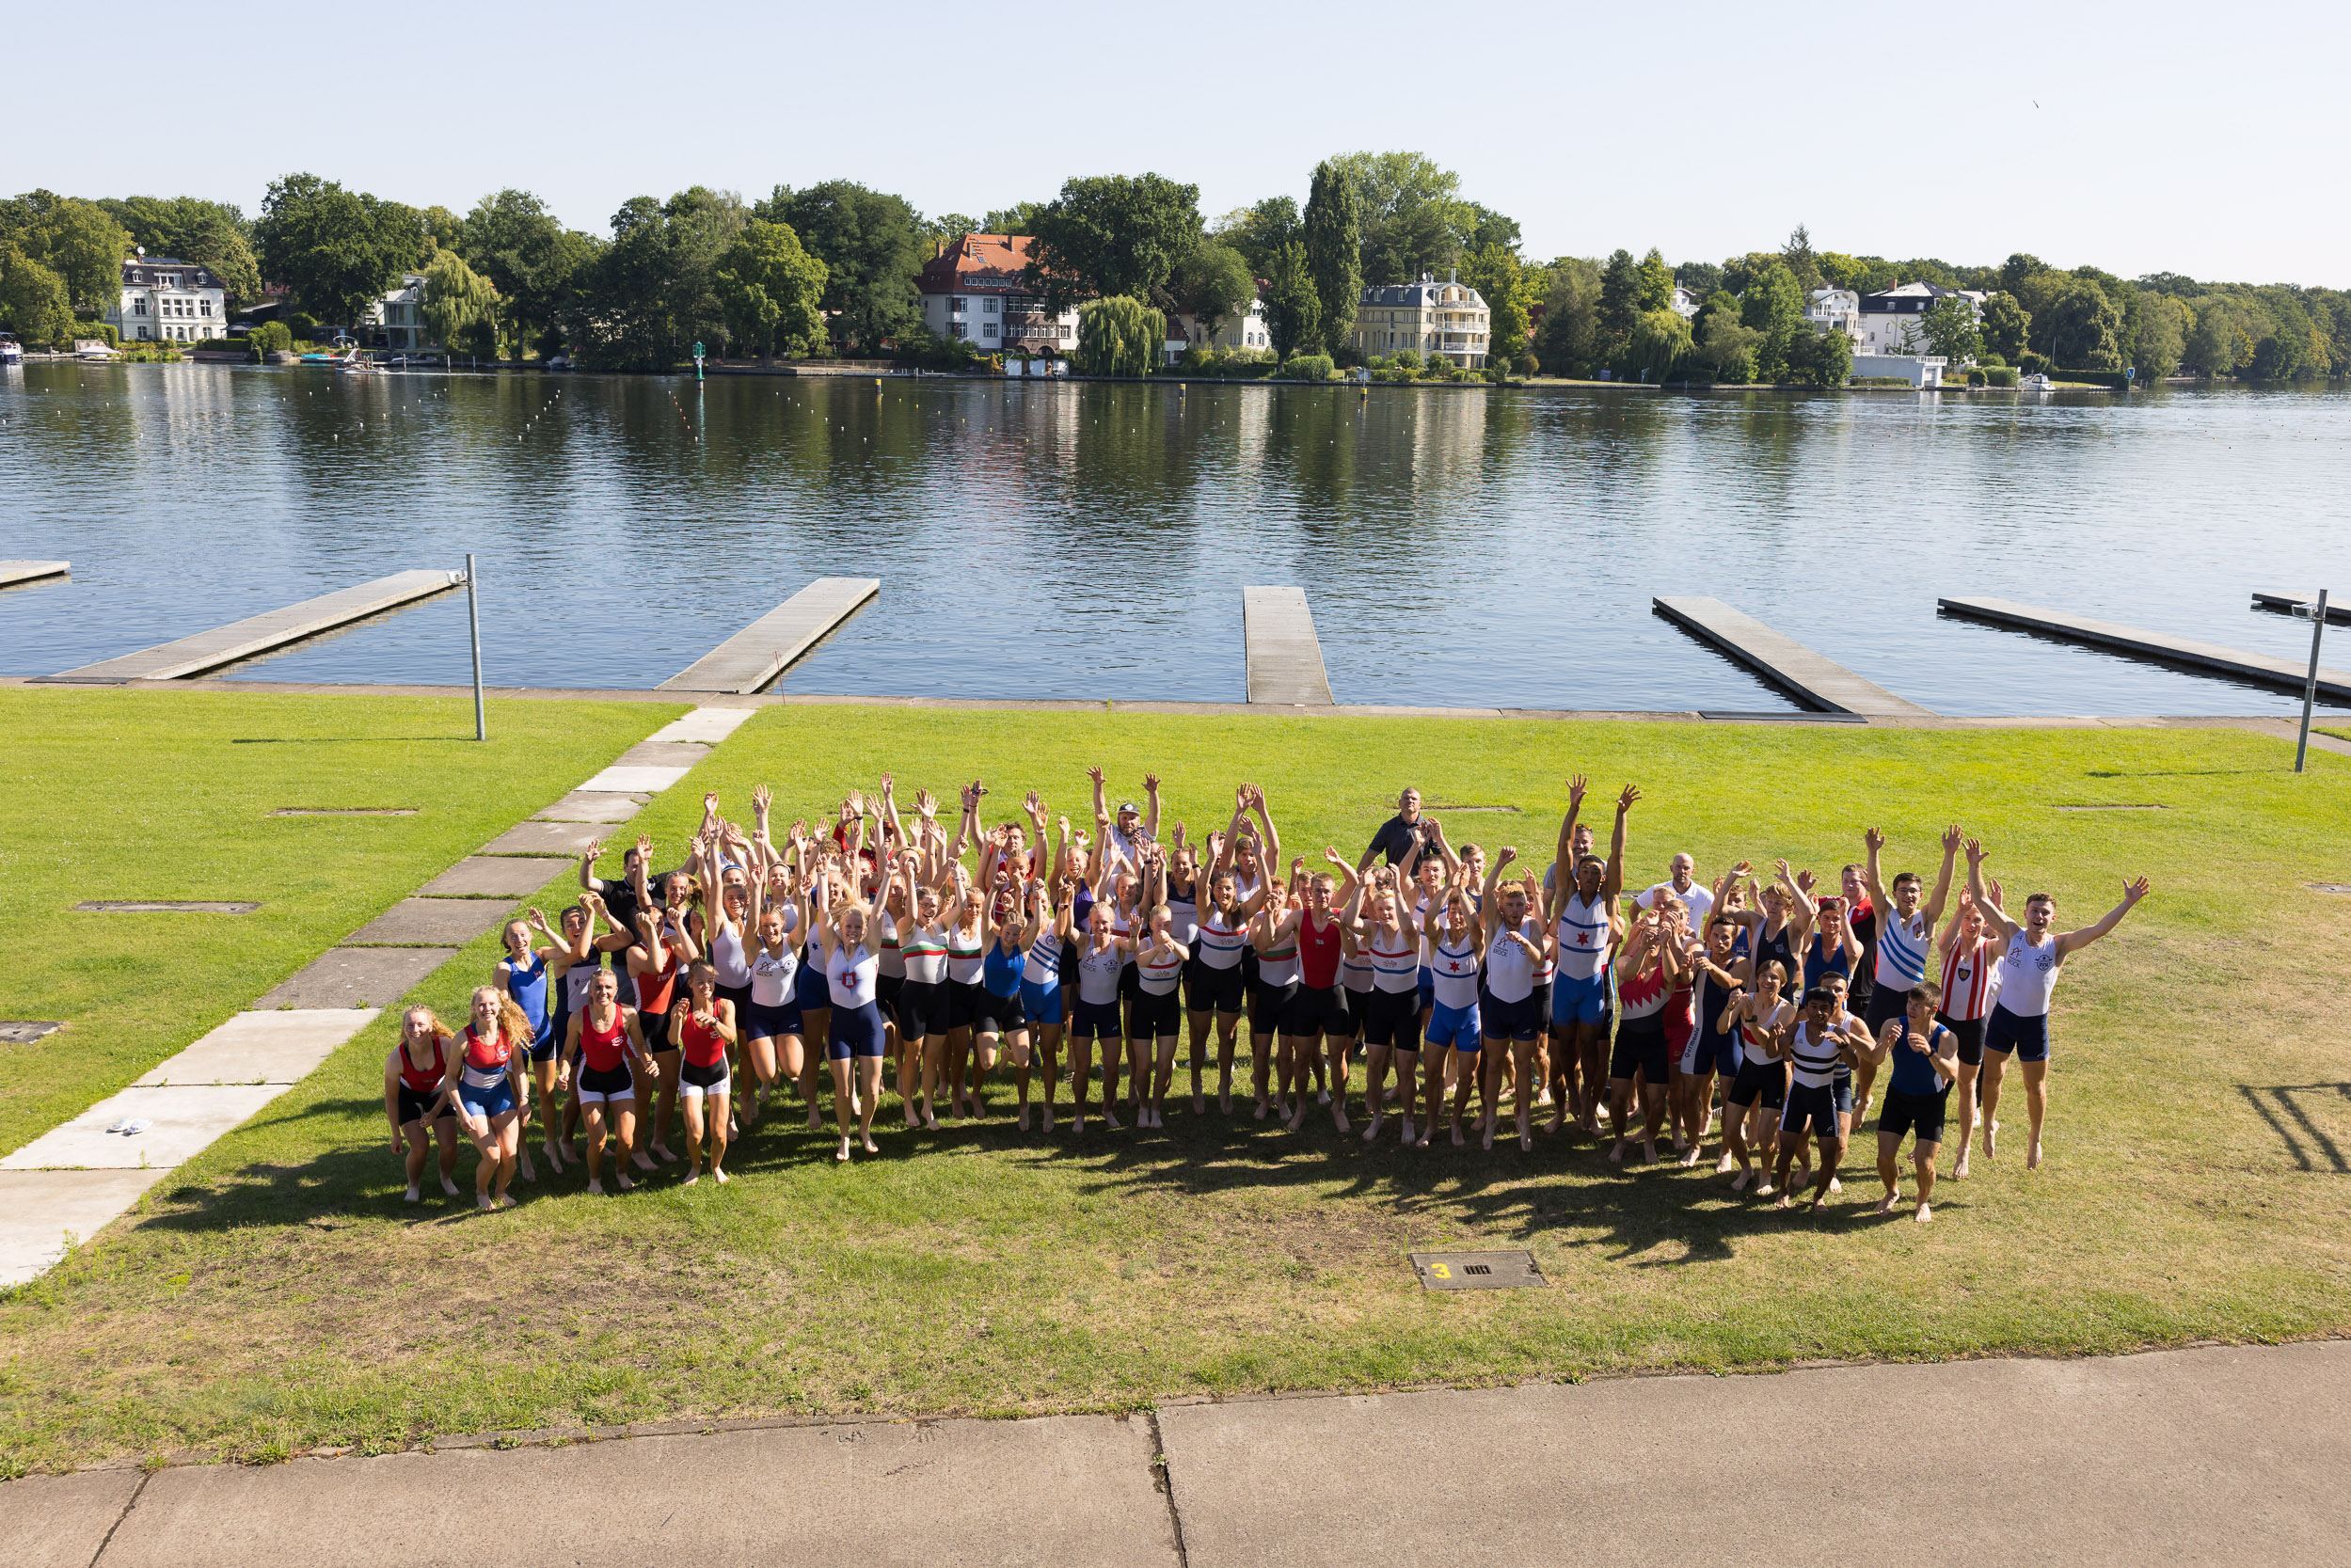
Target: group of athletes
1768	1012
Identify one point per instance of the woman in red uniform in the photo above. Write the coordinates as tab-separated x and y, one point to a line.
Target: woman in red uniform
665	945
703	1024
1971	965
486	1077
413	1101
605	1041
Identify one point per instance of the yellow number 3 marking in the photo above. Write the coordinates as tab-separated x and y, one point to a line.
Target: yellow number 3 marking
1443	1271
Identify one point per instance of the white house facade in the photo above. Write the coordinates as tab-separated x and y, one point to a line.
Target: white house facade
1836	310
972	290
1889	318
397	320
1449	319
1246	331
168	301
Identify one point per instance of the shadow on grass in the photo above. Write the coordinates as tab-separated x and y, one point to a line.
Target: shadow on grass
2280	1106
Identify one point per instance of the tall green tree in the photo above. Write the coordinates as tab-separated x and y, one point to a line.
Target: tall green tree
1568	341
1620	304
770	289
1801	264
1117	335
34	303
212	234
2085	328
872	245
1214	284
514	241
1019	218
2158	329
1659	347
1259	231
1510	291
78	241
1656	281
1816	358
1774	306
1949	329
2006	327
1293	308
618	318
1413	217
2218	341
1334	259
1725	346
460	307
702	224
338	250
1111	234
1488	226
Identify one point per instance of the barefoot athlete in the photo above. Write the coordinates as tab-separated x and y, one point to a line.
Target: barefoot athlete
2028	972
1904	931
1586	939
703	1024
605	1060
1760	1087
1970	980
1926	1065
1815	1049
524	975
420	1114
853	1044
483	1077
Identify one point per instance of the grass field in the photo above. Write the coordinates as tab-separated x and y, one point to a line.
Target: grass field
277	1292
116	795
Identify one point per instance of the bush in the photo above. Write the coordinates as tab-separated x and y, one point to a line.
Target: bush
1990	361
1881	380
1976	378
302	327
151	354
270	336
1310	367
1406	360
2035	364
105	333
2000	375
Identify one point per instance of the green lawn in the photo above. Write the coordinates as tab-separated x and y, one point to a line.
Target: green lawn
116	794
278	1293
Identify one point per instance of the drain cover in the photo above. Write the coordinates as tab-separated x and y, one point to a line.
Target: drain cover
163	906
24	1032
1477	1271
2152	807
2328	887
344	811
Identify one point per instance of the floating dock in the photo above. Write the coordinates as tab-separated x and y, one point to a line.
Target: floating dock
2259	669
754	656
14	572
1285	657
2338	613
259	634
1819	683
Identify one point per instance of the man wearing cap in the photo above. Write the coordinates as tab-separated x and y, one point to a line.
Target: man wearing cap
1132	828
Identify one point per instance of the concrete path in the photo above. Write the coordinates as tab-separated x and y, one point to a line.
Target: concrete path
2286	675
2208	1456
1285	657
1823	683
66	1185
258	634
14	572
764	649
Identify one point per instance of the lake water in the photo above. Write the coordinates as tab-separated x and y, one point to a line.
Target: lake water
1090	541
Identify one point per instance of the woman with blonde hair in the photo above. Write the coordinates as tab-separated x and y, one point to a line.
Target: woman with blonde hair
484	1076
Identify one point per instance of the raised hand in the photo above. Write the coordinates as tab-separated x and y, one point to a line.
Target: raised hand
1575	787
2134	892
1151	783
1331	854
1624	802
1952	839
1806	881
644	848
926	805
1095	774
1976	853
1872	838
1509	853
1033	803
761	797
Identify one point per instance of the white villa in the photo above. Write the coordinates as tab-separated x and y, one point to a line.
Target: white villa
170	301
1429	317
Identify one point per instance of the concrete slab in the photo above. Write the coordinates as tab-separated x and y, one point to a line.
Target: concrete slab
1054	1492
2209	1456
761	651
258	634
2286	675
14	572
650	781
1818	682
708	725
1285	657
186	1119
430	923
40	1209
593	805
263	1048
61	1521
506	877
546	838
356	977
657	754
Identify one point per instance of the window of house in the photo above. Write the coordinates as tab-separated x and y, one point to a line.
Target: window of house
207	307
958	305
955	329
989	306
989	330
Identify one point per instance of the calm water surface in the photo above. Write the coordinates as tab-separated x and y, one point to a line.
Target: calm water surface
1091	541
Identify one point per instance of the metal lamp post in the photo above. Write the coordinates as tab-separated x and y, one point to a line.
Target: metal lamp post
2317	613
473	618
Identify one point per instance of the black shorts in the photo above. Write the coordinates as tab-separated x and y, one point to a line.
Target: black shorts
1091	1020
922	1009
1000	1015
1903	1113
1885	1005
885	992
739	995
1267	1004
1316	1010
963	1002
1969	1032
1392	1019
1641	1047
1810	1108
656	1031
413	1105
1211	990
1150	1017
689	1072
1131	978
1764	1081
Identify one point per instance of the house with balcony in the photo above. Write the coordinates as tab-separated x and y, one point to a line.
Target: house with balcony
1431	318
973	290
1829	310
166	300
1889	318
397	320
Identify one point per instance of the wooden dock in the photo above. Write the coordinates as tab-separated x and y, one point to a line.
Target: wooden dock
1285	657
754	656
1819	683
2338	613
14	572
2259	669
259	634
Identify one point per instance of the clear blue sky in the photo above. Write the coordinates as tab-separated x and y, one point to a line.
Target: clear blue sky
2202	141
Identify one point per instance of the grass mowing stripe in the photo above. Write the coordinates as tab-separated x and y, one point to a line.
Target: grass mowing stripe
171	795
278	1293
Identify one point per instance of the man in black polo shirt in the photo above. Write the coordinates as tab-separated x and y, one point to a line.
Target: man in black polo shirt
1396	835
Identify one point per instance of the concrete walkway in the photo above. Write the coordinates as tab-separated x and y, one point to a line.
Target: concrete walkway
66	1185
2206	1456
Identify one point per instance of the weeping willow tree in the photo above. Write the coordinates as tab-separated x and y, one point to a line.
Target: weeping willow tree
460	307
1117	336
1661	342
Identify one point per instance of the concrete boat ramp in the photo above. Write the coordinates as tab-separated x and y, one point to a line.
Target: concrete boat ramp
260	634
2287	674
1819	683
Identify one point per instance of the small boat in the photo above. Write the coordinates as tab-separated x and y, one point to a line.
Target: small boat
2034	383
11	351
353	362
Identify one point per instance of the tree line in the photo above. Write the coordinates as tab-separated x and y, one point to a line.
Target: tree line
831	268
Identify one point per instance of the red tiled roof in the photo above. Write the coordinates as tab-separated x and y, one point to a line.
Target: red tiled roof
976	262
